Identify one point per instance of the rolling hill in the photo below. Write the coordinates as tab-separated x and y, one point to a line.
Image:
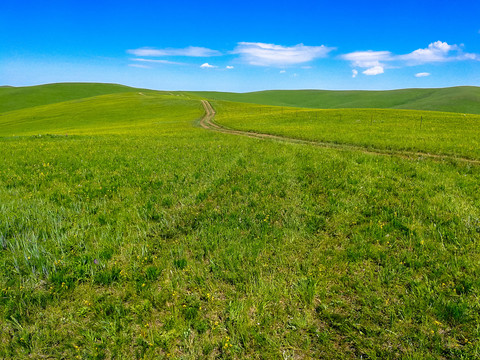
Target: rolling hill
110	113
465	99
14	98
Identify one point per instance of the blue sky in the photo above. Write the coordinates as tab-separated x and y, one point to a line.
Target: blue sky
242	45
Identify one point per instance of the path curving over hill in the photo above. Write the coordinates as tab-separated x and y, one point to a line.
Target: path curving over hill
207	122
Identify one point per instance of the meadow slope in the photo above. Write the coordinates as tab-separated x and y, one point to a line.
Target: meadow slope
131	112
142	235
14	98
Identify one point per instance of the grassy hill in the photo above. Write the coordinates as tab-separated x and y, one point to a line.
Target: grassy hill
465	99
111	113
14	98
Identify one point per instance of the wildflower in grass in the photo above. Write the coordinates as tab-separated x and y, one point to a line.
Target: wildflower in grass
95	261
227	342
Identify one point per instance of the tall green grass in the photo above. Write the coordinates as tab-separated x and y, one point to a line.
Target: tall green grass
170	241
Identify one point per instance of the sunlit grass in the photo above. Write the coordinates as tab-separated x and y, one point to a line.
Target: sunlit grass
132	113
144	236
424	131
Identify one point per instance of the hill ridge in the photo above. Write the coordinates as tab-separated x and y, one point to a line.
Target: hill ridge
16	98
460	99
463	99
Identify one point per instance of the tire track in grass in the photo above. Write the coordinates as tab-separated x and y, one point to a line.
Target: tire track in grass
207	122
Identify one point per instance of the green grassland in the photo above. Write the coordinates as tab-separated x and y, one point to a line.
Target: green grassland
454	134
142	235
128	112
464	99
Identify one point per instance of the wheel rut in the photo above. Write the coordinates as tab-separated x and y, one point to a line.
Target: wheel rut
207	122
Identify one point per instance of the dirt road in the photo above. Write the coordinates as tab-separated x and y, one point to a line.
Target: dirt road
208	123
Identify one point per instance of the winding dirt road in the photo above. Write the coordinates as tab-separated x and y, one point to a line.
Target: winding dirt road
208	123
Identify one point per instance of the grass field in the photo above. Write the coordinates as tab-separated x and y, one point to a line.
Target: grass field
455	134
142	235
130	112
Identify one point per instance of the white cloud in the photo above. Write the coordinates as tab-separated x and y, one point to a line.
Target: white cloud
375	70
282	71
435	52
377	61
139	66
354	73
193	51
229	67
438	51
368	59
262	54
207	66
158	61
422	74
469	56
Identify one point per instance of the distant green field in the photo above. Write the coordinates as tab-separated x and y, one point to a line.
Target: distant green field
141	235
465	99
